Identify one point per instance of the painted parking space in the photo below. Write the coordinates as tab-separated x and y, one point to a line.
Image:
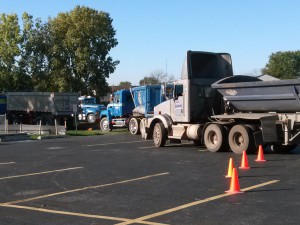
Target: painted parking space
137	184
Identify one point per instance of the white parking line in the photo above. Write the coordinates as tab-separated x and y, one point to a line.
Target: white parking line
114	143
45	172
101	150
146	147
55	148
7	163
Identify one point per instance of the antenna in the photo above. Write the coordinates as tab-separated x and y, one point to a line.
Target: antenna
166	66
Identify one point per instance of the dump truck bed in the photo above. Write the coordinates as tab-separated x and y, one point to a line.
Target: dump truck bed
251	94
146	97
57	103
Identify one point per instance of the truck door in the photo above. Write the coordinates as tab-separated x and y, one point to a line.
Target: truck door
115	108
178	101
127	103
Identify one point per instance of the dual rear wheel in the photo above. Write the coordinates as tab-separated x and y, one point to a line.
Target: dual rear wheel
217	138
240	138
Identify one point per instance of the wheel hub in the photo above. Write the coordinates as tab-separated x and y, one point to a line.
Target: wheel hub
239	139
213	137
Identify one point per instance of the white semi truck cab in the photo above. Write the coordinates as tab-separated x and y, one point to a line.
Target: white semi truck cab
194	101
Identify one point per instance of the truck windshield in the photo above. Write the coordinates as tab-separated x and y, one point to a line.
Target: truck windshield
89	101
117	98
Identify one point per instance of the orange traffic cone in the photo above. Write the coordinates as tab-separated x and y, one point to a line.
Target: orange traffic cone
260	156
244	163
234	183
230	167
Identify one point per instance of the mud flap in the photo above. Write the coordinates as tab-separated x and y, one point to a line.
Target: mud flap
269	132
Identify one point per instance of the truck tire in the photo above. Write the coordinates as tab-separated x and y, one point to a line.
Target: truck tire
104	125
134	126
215	138
241	139
91	118
159	135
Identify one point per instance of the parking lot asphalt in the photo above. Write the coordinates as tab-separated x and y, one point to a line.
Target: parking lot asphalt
122	179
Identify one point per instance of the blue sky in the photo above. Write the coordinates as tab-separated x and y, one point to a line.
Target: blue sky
155	34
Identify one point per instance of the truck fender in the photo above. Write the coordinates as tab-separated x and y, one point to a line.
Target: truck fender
164	118
150	123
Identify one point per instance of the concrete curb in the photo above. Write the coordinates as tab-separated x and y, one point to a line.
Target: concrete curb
14	137
52	137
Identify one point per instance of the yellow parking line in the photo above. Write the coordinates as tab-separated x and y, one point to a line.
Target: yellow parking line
75	214
114	143
45	172
139	220
7	163
85	188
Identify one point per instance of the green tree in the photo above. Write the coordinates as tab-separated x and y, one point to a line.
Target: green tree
283	65
81	41
125	84
157	77
148	80
11	78
9	49
36	53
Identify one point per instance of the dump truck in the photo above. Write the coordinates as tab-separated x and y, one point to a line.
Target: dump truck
39	107
212	107
118	111
145	97
88	110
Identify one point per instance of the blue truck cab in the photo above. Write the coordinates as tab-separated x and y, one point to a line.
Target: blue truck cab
89	110
118	111
145	98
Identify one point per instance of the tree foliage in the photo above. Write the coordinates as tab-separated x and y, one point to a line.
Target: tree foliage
11	77
148	80
67	53
125	84
82	40
157	77
283	65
